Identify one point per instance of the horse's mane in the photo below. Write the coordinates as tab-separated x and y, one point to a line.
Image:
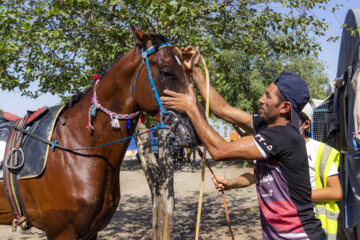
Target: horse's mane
156	39
77	97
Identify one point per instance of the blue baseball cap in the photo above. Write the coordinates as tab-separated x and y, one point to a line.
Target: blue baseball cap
294	90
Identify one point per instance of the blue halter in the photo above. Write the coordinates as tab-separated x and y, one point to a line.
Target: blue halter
144	55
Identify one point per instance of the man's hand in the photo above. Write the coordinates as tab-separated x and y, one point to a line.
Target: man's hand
221	183
241	181
180	102
190	60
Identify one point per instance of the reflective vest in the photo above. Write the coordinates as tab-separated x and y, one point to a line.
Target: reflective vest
327	212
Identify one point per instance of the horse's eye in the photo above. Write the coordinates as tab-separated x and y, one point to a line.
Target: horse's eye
167	74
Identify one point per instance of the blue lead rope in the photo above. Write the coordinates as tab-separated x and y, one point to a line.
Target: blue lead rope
53	144
159	126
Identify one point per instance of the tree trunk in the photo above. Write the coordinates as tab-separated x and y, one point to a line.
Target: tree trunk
159	174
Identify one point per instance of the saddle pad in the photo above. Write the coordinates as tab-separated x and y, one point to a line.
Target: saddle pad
35	151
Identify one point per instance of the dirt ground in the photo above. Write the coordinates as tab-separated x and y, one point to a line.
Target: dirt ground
132	219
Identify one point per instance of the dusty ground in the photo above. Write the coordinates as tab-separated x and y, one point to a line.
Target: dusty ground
133	218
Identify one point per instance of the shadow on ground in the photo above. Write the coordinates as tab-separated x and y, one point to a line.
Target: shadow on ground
133	219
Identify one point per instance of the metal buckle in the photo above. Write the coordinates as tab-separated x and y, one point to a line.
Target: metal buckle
170	123
144	54
9	155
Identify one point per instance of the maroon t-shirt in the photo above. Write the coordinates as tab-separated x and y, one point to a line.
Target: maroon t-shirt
283	184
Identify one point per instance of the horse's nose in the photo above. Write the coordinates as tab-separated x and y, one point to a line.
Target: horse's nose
186	132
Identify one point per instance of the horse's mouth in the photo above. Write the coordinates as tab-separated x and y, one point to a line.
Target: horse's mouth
187	138
183	128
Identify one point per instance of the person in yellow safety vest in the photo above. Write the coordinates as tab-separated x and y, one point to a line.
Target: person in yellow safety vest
323	170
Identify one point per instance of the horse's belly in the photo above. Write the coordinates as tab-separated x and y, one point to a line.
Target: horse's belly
5	211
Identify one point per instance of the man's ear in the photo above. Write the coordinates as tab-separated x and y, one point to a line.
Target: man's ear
306	125
141	38
285	107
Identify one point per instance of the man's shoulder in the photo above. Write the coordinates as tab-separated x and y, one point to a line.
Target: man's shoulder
258	124
314	143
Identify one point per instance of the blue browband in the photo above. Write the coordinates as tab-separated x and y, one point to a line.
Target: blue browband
144	55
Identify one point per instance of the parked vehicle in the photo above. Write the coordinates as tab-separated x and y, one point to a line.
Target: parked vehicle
177	152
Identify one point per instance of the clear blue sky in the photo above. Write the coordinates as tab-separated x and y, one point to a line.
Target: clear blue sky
15	103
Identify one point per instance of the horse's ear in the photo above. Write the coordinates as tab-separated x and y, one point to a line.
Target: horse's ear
141	38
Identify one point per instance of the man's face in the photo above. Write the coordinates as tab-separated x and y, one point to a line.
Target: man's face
270	107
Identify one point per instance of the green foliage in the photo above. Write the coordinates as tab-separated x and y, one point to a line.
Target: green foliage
1	112
352	31
242	81
311	70
59	44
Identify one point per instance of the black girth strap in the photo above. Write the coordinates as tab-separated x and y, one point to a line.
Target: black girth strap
42	139
12	162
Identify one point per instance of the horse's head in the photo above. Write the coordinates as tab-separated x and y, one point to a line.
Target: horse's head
158	55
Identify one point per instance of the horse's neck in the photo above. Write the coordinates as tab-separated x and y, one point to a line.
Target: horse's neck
114	92
115	89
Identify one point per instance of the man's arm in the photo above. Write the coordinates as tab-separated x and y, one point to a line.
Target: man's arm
242	181
333	191
218	105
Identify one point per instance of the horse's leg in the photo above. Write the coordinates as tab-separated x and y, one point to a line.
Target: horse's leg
68	233
94	237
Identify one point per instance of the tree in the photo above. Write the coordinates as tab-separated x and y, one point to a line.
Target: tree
60	44
225	130
159	173
242	83
1	112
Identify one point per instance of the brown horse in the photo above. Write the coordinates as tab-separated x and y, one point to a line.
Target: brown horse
78	192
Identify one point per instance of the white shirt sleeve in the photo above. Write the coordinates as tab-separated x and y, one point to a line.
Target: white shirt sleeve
263	153
333	170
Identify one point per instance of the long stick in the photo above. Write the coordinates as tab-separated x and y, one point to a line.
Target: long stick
223	195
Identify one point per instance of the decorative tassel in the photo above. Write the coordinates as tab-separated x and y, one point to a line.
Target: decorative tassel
142	118
96	76
93	111
90	126
128	124
115	123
